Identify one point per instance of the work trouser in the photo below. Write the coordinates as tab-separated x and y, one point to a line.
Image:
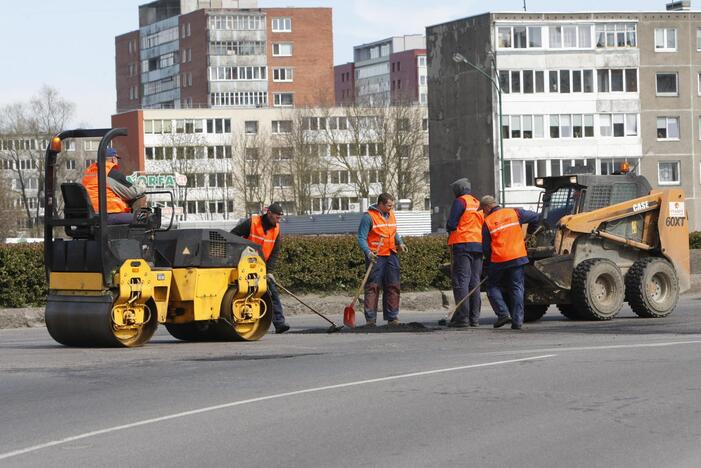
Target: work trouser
511	279
385	275
278	316
466	268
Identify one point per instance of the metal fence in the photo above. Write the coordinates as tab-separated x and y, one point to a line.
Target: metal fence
409	223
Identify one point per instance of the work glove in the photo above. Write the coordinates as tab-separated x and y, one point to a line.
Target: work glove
404	248
270	277
372	256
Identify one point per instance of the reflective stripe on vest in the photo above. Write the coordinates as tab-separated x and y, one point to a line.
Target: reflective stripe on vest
114	203
382	227
470	225
262	238
507	235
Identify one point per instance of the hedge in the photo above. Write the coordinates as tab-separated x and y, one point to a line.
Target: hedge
306	264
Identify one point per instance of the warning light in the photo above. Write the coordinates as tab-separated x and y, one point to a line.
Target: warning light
625	168
55	145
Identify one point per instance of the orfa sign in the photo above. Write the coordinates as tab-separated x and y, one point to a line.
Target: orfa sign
158	180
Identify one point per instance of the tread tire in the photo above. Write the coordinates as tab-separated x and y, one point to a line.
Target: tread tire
659	274
598	289
534	312
569	311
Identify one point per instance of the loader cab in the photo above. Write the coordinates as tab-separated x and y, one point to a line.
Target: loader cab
579	193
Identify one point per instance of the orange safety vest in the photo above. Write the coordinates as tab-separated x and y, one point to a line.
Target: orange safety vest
382	227
262	238
114	203
470	224
507	235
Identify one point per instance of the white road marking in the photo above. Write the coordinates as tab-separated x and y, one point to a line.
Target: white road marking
600	348
232	404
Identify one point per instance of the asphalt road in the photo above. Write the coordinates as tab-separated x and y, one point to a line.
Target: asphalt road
625	393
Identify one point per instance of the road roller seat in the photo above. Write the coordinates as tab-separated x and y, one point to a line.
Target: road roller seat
77	205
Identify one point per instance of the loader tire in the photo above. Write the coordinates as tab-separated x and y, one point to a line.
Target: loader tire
569	311
652	287
598	289
534	312
193	331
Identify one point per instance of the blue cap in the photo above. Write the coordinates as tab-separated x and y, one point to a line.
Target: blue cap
111	153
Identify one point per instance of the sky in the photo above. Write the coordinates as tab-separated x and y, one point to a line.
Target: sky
69	44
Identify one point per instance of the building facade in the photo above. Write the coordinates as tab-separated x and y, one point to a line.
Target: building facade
581	92
388	71
22	174
225	53
226	163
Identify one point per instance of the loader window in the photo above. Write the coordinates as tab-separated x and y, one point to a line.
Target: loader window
559	203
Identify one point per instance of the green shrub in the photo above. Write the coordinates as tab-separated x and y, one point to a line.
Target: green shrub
306	264
22	275
336	263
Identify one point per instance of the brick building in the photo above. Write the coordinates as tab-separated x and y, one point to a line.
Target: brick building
225	53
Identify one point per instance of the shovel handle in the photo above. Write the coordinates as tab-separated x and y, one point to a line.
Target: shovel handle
367	272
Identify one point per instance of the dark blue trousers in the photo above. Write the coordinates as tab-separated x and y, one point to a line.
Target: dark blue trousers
278	316
466	269
385	276
511	279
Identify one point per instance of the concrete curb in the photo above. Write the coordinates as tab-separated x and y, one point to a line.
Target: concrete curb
331	305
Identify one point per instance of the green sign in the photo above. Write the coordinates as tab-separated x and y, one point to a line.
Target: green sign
158	180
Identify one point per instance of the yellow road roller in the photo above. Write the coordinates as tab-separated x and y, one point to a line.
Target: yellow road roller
112	284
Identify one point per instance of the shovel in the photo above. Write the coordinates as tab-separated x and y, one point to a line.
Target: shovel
332	329
449	316
349	311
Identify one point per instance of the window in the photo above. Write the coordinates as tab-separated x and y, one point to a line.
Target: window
251	154
668	128
617	80
251	126
282	49
515	82
283	99
618	125
282	24
252	180
667	84
338	123
282	74
528	81
239	99
282	180
668	173
237	47
214	126
519	37
665	40
615	35
553	81
70	164
554	126
282	126
235	74
282	153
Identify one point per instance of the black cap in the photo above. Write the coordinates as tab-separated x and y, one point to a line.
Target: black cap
276	208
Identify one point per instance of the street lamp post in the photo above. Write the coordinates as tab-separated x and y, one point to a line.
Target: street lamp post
458	57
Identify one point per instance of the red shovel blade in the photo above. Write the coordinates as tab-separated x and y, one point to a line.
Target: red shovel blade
349	316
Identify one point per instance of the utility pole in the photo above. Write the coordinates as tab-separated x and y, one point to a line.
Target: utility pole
524	5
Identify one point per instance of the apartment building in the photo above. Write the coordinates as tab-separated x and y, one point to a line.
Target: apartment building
581	92
225	54
21	167
392	70
223	164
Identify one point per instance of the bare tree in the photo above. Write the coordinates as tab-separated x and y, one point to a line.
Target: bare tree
29	126
251	168
9	214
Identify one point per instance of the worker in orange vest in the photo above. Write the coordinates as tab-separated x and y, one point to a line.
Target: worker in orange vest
505	251
121	194
378	238
264	230
464	226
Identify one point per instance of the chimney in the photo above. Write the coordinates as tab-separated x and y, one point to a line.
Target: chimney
683	5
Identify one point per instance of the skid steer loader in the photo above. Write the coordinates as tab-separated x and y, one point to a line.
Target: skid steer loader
112	284
605	239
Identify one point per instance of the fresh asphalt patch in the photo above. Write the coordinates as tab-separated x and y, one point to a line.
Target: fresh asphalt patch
411	327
